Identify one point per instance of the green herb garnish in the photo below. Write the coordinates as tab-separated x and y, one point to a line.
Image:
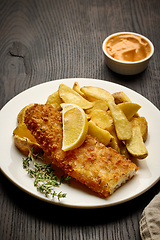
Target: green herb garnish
45	179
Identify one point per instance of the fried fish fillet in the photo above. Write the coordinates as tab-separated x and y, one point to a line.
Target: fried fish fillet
100	168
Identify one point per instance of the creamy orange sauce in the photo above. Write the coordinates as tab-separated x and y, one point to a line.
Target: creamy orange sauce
128	47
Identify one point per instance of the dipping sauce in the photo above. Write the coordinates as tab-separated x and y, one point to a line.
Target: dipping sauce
128	47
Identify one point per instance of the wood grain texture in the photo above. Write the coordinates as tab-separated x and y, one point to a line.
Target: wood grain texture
42	41
46	40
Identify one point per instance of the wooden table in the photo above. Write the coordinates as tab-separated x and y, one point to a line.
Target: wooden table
46	40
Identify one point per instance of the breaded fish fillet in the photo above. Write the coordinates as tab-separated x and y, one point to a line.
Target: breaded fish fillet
98	167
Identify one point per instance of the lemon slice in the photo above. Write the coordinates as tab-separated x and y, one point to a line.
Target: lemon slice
75	126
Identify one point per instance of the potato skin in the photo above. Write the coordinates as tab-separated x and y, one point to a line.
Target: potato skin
135	145
120	97
141	121
21	144
21	133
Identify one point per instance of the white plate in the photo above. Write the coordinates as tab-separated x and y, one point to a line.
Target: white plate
78	195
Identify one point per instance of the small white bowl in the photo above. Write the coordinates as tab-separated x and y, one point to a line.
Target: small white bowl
127	68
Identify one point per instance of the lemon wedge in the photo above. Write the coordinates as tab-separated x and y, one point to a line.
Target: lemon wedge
75	126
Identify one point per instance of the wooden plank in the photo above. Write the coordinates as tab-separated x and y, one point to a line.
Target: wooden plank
46	40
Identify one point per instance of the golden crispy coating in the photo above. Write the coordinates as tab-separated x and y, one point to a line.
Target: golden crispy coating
100	168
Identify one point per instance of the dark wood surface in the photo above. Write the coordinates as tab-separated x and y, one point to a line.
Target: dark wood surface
46	40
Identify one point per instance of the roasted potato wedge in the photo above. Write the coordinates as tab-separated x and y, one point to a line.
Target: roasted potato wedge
141	121
98	104
115	141
135	145
123	150
118	145
122	125
77	89
20	134
54	100
120	97
96	93
68	95
102	135
102	119
129	109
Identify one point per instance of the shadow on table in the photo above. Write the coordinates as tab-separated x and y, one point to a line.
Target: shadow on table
131	81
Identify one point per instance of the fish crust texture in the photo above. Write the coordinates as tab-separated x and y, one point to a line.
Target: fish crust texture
100	168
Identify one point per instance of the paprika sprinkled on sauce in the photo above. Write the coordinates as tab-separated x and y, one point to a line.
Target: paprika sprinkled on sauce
128	47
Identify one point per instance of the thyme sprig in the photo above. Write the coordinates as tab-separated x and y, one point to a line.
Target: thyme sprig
45	179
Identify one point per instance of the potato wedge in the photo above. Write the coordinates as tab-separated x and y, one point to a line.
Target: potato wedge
118	145
129	109
135	145
122	125
115	141
120	97
102	119
103	136
20	134
68	95
96	93
123	150
98	104
141	121
77	89
54	100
